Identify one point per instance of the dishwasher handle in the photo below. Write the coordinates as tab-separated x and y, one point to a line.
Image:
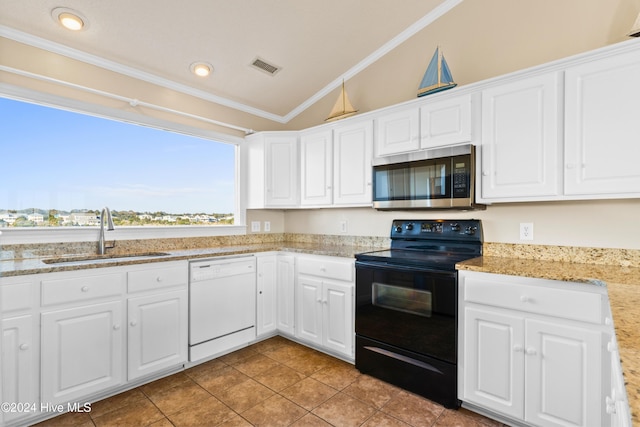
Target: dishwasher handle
201	271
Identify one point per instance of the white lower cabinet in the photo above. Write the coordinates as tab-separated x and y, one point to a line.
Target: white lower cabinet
157	336
285	291
20	375
157	317
275	299
267	276
532	351
324	303
88	347
19	378
82	351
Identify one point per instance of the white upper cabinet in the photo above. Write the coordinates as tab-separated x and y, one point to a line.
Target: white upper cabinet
397	132
270	163
520	139
316	168
446	122
281	169
602	127
563	131
335	165
352	154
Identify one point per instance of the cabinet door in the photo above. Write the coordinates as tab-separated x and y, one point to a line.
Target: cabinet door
281	172
520	139
309	309
352	172
493	361
267	277
397	132
445	122
316	159
602	126
338	326
253	159
285	284
563	375
157	332
19	378
83	351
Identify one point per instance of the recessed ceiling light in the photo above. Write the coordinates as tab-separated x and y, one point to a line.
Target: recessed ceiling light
69	19
201	69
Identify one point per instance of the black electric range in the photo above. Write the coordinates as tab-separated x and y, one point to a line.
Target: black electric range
406	305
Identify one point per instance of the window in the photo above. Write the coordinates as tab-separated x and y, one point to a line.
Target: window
60	168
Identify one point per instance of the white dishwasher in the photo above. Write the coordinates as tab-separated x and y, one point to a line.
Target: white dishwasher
222	305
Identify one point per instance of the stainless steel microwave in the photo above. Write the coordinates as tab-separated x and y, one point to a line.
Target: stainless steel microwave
442	178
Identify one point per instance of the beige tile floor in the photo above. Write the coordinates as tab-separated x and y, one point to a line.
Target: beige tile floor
275	382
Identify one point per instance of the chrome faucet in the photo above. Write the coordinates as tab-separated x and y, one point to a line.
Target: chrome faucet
101	246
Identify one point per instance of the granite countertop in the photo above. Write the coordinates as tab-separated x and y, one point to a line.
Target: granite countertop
623	288
622	282
36	265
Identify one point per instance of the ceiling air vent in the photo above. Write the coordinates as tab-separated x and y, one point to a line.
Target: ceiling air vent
264	66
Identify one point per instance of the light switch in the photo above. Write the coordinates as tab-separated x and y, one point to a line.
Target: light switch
255	226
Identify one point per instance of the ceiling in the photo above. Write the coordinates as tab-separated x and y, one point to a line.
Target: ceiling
316	44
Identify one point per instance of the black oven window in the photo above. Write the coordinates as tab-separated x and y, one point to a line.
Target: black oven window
413	301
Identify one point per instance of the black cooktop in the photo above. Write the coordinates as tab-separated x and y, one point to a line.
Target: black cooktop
430	244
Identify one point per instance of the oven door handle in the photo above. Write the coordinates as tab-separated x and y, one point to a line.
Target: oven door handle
400	268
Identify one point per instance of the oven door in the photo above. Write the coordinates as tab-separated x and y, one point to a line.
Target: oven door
409	308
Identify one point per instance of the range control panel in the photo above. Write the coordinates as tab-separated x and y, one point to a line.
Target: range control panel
467	229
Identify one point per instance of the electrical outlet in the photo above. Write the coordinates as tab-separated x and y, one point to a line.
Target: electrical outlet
267	226
255	226
343	226
526	231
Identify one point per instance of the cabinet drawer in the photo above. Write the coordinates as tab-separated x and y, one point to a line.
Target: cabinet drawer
81	288
541	299
157	278
16	296
325	267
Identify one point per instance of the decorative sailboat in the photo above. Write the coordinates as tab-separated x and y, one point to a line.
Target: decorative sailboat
437	77
342	109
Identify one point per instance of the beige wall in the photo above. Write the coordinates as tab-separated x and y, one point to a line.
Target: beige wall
602	223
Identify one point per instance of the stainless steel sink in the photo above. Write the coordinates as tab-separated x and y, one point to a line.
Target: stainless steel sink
99	258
